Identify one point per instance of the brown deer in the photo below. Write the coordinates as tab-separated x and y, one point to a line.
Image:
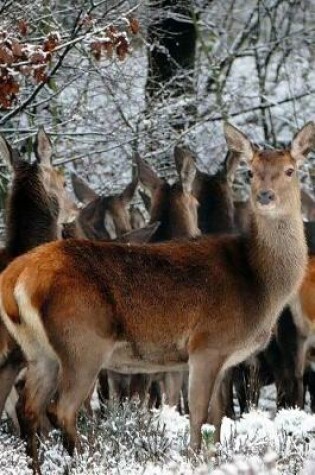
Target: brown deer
37	205
77	306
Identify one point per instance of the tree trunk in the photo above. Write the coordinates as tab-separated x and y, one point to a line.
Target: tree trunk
170	88
172	36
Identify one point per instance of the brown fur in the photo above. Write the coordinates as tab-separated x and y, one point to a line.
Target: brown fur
307	295
213	192
206	302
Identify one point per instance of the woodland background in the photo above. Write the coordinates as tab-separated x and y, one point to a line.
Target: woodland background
107	78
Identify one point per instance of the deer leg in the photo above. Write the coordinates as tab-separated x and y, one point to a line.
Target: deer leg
9	371
292	335
139	385
119	385
204	369
88	403
155	395
73	391
226	394
10	408
300	368
311	387
173	387
289	381
185	392
78	379
103	389
40	386
218	404
241	381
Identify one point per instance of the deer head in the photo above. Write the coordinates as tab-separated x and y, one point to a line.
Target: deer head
104	217
174	206
273	173
53	178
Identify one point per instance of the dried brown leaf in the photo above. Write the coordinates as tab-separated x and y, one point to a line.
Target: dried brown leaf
23	27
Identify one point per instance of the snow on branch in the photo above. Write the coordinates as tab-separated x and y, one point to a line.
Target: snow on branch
27	63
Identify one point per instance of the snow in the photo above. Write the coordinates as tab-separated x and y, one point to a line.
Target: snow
132	440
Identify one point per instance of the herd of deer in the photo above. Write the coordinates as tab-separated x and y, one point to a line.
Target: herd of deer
190	302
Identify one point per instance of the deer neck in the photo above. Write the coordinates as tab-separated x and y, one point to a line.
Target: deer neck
278	256
31	214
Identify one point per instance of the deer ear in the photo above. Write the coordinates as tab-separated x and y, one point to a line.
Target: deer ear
10	155
141	235
303	142
231	162
82	191
147	177
146	200
186	167
43	147
136	218
238	142
130	189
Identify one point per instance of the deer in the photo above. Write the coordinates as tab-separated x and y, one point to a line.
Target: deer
86	195
78	306
37	205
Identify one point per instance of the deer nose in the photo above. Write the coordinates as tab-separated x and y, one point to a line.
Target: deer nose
265	197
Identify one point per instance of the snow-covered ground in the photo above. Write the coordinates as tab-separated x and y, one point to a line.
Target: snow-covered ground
134	441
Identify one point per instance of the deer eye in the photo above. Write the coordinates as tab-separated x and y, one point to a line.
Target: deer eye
289	171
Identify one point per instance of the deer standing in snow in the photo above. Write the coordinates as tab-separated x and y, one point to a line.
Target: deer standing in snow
78	306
